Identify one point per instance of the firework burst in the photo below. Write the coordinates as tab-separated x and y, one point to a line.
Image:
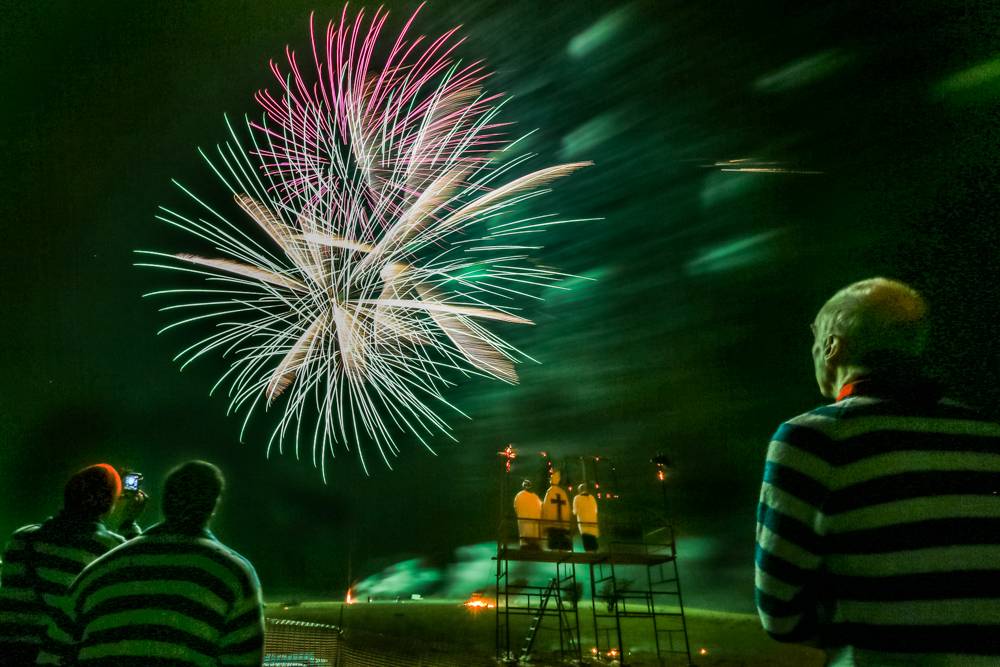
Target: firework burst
386	243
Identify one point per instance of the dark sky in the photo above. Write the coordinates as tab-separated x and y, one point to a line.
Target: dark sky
692	340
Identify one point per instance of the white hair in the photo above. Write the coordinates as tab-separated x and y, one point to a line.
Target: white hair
881	322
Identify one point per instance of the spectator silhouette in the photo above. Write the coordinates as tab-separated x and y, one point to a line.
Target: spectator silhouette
878	527
41	561
174	595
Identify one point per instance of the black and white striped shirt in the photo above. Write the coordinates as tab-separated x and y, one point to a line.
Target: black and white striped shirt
166	597
39	564
878	532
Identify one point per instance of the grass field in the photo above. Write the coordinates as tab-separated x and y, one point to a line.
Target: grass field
727	639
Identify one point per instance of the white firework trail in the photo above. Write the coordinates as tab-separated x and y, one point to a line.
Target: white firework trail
386	251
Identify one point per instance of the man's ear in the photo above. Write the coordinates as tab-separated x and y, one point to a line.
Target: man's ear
833	346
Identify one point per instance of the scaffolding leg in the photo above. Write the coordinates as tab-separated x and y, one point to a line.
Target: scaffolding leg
593	609
503	653
618	615
680	599
569	624
652	609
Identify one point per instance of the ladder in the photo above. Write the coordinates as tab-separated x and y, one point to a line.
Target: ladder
569	627
536	620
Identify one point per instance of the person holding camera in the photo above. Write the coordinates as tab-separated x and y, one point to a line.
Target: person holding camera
130	506
41	560
174	595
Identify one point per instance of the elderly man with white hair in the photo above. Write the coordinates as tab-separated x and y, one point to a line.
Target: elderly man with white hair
878	528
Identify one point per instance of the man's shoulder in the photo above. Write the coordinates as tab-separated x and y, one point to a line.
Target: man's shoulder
92	536
239	562
160	544
809	436
116	546
20	538
210	545
120	547
864	412
823	432
108	538
854	410
26	532
818	423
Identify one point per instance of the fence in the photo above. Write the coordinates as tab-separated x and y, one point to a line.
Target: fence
290	643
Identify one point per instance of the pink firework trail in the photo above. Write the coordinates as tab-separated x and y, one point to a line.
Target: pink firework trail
388	236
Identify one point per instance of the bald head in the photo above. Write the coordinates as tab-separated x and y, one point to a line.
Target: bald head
872	326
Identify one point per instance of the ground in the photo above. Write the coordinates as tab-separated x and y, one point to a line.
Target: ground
728	640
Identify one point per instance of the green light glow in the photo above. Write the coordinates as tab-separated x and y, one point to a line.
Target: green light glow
734	254
599	34
972	79
803	71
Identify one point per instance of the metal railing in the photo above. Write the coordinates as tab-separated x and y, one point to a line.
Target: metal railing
632	534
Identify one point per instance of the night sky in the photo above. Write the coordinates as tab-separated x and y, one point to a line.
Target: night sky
693	339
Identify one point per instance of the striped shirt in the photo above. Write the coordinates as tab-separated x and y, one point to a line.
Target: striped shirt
39	564
878	533
166	597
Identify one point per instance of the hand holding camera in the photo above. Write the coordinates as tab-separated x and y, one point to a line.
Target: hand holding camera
130	505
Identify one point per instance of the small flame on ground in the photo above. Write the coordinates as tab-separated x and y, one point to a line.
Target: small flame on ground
478	602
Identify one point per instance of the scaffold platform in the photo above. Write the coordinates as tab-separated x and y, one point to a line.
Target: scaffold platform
583	558
656	596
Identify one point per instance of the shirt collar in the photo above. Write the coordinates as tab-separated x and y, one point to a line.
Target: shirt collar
168	528
85	523
916	387
856	388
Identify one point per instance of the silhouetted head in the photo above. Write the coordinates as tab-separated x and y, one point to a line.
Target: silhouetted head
875	327
92	492
191	493
583	488
526	485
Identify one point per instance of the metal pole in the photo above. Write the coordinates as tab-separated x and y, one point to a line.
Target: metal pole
666	505
502	642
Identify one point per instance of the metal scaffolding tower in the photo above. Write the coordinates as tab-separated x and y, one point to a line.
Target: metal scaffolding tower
556	601
629	545
614	598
